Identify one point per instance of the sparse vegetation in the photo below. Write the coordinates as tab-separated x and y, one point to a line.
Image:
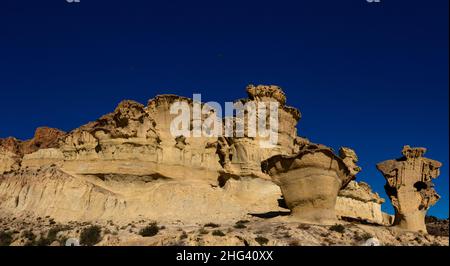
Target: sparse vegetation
262	240
366	236
286	235
63	240
294	243
43	241
46	240
337	228
90	236
212	225
29	235
218	233
53	232
150	230
183	235
239	226
203	231
281	227
5	238
304	226
325	234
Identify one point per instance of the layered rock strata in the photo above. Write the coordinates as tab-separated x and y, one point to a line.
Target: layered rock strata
310	181
242	155
127	165
357	201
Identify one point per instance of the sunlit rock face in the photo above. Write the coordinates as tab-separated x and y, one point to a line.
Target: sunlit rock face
192	151
288	117
44	137
410	188
310	181
12	150
8	161
128	165
357	201
242	156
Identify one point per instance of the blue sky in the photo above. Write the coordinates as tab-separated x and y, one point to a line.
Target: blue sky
371	76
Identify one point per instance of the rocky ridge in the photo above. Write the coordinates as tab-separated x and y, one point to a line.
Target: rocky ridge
126	166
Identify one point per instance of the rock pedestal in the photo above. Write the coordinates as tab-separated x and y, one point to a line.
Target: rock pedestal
310	182
409	187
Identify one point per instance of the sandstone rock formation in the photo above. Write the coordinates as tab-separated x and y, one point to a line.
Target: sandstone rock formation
8	161
242	156
357	201
44	137
436	226
311	179
11	145
127	165
13	150
410	188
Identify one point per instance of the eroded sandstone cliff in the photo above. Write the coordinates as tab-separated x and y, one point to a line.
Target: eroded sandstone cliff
127	165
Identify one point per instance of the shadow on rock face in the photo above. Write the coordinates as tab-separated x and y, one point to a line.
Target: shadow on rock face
282	203
271	214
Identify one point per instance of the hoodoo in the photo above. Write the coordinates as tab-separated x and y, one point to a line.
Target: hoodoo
410	188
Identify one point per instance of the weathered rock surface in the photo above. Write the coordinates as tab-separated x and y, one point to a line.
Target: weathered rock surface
242	231
127	166
357	201
242	156
13	150
44	137
8	161
11	145
53	192
436	226
410	188
310	181
64	196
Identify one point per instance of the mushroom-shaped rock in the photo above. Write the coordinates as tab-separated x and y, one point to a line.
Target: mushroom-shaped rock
241	154
409	187
266	92
310	182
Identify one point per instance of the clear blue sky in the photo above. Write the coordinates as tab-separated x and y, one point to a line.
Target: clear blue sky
372	76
